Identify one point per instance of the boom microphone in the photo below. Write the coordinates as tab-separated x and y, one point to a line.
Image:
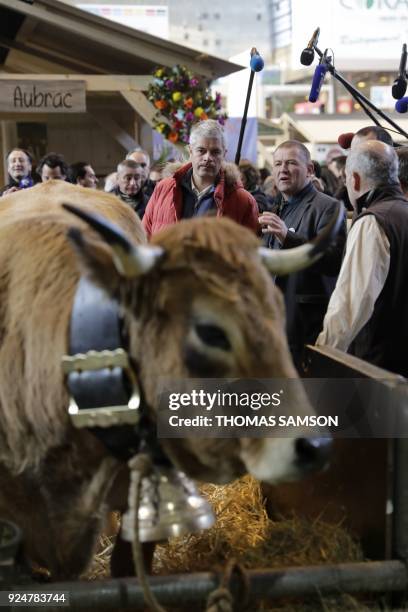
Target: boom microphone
401	106
344	140
399	86
318	78
256	62
307	55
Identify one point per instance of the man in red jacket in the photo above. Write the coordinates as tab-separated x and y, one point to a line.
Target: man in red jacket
205	185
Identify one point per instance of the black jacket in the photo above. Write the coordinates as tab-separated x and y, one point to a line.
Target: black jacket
11	183
384	339
307	292
138	202
262	200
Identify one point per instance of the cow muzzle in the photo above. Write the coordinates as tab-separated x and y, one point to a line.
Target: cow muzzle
275	460
313	454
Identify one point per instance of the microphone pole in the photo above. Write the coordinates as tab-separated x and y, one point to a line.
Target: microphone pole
361	99
324	66
256	65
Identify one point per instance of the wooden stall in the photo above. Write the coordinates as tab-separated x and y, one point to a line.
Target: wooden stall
73	82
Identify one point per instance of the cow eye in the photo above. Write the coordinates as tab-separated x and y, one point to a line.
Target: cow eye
213	336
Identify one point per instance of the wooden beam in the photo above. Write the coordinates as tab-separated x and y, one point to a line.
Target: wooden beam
22	62
48	54
157	52
140	104
109	125
26	29
94	82
146	110
120	38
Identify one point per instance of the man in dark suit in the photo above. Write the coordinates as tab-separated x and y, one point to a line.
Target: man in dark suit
297	218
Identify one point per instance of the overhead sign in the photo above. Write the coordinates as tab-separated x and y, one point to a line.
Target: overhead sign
42	96
152	19
363	34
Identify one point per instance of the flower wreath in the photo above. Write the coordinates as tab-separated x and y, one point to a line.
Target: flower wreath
182	100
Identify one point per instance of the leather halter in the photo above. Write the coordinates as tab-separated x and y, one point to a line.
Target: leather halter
103	387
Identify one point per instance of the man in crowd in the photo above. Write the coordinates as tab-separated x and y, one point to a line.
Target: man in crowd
367	313
202	186
337	165
129	187
302	214
251	179
338	168
142	159
371	132
52	167
82	173
402	153
19	166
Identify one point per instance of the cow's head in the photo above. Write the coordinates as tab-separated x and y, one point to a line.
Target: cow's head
199	303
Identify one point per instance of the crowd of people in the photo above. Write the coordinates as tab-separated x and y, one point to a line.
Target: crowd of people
355	297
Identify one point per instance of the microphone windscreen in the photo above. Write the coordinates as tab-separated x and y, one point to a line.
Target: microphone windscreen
401	106
399	88
307	57
256	63
344	140
317	82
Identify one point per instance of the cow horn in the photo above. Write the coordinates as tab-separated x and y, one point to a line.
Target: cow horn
130	260
286	261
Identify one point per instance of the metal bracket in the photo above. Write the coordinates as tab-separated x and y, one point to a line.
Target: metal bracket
103	416
95	360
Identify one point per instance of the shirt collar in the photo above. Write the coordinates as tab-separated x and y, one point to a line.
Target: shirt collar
298	197
138	197
379	192
200	194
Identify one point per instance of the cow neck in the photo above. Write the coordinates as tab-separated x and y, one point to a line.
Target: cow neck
105	396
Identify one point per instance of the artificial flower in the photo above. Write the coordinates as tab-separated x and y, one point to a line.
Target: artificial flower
183	99
173	137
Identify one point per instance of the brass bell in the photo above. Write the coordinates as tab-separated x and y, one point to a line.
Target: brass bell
170	505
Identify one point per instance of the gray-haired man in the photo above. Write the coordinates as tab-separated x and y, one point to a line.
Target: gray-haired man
142	159
129	187
367	313
204	185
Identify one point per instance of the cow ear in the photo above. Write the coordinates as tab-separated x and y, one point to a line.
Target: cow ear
96	260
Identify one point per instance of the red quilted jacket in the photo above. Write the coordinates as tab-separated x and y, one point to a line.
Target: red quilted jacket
231	200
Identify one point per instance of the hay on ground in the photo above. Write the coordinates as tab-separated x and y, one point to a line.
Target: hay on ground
244	531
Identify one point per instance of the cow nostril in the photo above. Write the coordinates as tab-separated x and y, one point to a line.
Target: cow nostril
313	453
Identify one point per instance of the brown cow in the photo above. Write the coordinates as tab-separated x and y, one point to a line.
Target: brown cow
55	480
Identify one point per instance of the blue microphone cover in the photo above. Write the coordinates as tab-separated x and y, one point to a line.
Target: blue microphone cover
25	182
256	63
317	82
401	106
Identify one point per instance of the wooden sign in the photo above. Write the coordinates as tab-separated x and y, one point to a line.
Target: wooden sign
42	96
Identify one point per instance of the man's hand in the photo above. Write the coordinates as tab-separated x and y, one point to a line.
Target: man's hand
272	224
11	190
